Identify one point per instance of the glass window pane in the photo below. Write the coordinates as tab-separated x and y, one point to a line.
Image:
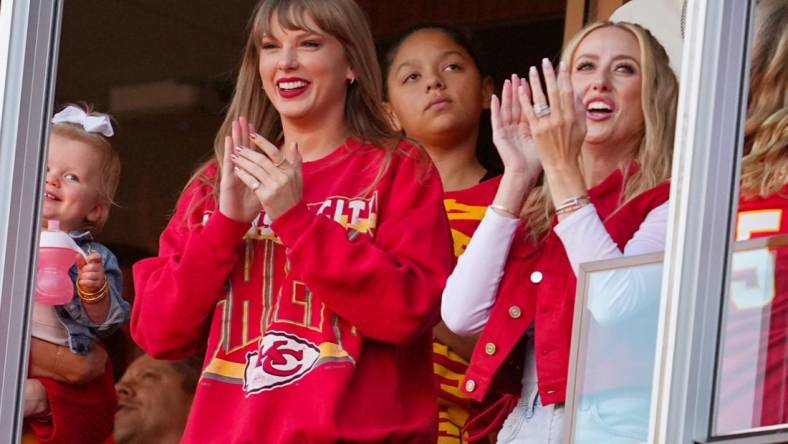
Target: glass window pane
752	390
616	352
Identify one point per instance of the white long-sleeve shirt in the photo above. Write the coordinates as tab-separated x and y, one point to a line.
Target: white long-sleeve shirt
471	289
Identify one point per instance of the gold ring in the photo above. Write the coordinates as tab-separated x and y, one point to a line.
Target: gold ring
278	164
254	186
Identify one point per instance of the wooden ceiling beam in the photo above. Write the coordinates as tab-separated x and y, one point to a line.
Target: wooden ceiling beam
391	17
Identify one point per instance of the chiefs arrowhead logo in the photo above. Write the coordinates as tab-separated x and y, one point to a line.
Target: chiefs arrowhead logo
280	360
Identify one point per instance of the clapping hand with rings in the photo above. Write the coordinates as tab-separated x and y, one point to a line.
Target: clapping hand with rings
259	175
511	130
557	121
558	126
511	134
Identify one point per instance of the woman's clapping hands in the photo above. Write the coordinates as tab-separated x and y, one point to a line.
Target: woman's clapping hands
258	176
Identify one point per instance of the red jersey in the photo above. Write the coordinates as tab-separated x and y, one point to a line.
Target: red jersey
465	209
318	324
754	375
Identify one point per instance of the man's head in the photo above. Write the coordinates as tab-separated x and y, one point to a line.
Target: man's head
154	398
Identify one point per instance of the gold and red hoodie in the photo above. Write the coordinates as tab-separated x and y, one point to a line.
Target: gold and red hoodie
318	325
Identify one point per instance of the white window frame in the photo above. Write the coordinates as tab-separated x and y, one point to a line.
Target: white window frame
582	317
29	40
704	200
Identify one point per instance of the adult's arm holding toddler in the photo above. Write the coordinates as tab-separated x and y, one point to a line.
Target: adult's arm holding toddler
59	363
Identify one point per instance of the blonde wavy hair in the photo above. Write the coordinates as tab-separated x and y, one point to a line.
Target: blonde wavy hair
364	113
653	153
765	163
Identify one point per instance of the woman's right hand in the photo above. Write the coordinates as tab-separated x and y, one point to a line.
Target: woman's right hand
236	200
512	132
514	142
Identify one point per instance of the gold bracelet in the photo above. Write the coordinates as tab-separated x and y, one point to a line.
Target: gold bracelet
570	209
504	210
96	296
572	204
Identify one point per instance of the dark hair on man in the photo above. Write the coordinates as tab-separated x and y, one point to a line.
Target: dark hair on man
189	369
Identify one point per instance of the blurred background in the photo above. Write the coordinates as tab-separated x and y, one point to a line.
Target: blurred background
165	69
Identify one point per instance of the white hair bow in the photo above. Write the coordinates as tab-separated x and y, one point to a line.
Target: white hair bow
92	124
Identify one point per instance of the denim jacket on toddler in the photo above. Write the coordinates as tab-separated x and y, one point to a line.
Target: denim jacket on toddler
82	331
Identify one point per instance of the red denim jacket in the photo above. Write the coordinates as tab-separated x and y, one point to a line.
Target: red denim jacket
539	286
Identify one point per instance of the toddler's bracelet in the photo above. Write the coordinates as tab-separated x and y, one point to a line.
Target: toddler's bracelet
96	296
505	211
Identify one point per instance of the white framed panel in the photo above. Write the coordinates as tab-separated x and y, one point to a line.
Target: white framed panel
611	360
29	36
704	198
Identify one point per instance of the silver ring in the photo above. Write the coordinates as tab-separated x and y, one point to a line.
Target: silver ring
541	110
254	186
278	164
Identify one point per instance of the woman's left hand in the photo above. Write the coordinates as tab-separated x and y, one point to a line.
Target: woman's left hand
560	129
274	175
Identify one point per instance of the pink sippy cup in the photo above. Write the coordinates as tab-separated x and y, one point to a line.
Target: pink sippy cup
55	258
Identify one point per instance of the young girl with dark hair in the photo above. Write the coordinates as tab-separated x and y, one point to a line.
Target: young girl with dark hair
439	95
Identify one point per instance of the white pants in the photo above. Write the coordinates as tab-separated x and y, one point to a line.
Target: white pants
530	422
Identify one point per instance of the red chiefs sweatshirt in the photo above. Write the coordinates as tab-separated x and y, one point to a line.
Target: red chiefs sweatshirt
318	325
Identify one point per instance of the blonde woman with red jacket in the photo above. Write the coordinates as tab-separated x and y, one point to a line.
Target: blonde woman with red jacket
603	135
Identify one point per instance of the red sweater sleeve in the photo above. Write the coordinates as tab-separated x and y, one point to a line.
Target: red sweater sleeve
177	291
389	286
81	413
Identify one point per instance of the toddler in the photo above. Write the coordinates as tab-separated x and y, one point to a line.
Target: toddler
82	174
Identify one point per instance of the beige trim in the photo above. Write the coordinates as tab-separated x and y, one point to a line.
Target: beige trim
603	9
598	10
573	20
581	320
